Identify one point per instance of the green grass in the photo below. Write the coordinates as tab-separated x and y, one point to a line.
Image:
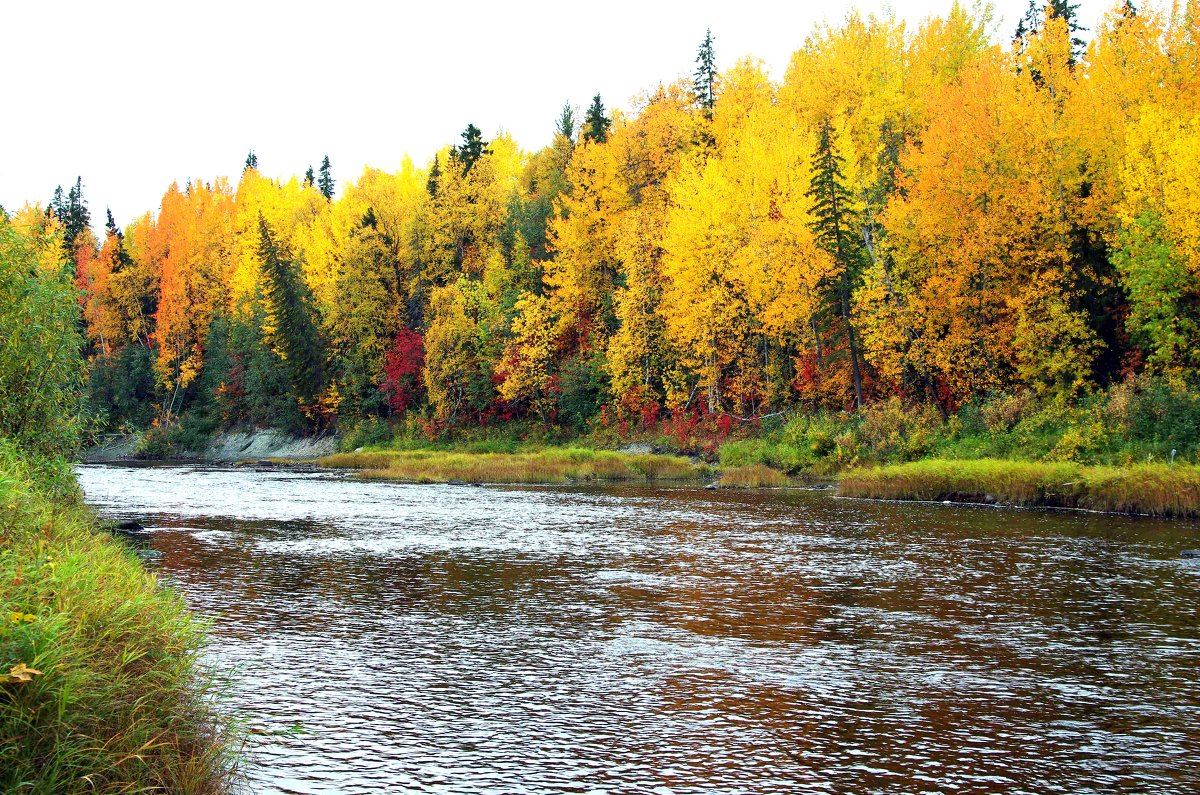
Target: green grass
550	465
119	703
1154	489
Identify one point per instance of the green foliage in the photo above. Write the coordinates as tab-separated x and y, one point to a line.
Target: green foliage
1162	294
40	363
370	432
584	383
114	697
122	385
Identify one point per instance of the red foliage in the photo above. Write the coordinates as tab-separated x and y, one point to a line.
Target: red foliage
402	371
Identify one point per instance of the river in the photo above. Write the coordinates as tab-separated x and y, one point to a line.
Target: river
406	638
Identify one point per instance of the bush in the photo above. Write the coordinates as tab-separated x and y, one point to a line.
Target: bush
40	363
370	432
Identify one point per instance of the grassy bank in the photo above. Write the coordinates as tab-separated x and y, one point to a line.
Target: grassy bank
550	465
1154	489
100	689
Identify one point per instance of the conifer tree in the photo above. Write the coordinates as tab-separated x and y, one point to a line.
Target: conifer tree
251	161
293	332
110	225
435	173
566	122
472	148
72	212
310	179
596	124
833	227
704	84
1069	12
325	179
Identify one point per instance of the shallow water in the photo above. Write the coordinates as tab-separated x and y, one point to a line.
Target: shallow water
404	638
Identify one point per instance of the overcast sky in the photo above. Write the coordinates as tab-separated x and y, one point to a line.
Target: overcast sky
134	95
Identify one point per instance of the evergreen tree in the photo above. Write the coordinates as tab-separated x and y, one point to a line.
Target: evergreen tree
566	123
472	148
325	179
1068	11
293	332
309	178
72	212
110	225
833	227
704	84
596	124
251	161
435	173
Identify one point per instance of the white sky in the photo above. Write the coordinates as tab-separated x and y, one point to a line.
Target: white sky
133	95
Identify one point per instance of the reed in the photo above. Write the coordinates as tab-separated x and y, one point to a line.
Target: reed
101	688
1152	489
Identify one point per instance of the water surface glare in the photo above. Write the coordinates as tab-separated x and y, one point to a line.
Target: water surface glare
405	638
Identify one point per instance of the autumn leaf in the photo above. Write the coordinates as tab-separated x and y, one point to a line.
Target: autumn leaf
21	673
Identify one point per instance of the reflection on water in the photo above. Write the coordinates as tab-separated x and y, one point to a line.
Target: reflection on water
628	640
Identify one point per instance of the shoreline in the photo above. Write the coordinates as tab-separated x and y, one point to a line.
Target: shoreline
1154	490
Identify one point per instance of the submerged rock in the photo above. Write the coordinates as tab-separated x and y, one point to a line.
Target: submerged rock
1190	553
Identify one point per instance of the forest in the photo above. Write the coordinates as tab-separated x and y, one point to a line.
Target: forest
913	213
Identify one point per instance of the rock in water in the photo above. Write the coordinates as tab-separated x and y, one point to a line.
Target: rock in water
1190	553
130	526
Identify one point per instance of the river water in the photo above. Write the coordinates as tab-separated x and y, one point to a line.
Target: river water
405	638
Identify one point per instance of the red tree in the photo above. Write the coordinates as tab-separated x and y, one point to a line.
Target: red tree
402	371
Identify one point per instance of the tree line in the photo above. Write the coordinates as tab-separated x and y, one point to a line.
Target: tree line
911	210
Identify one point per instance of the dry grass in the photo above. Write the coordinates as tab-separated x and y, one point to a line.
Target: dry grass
754	476
553	465
1153	489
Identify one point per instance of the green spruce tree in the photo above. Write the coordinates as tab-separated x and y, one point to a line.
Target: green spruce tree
472	148
294	333
251	161
705	80
435	174
833	225
565	126
310	179
325	179
596	123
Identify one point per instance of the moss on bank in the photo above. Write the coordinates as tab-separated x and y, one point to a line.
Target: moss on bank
551	465
1154	489
100	685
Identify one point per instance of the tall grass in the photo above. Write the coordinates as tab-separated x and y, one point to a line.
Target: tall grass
552	465
1154	489
753	476
101	690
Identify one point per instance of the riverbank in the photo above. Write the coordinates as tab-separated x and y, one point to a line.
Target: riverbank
101	689
230	446
1168	490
